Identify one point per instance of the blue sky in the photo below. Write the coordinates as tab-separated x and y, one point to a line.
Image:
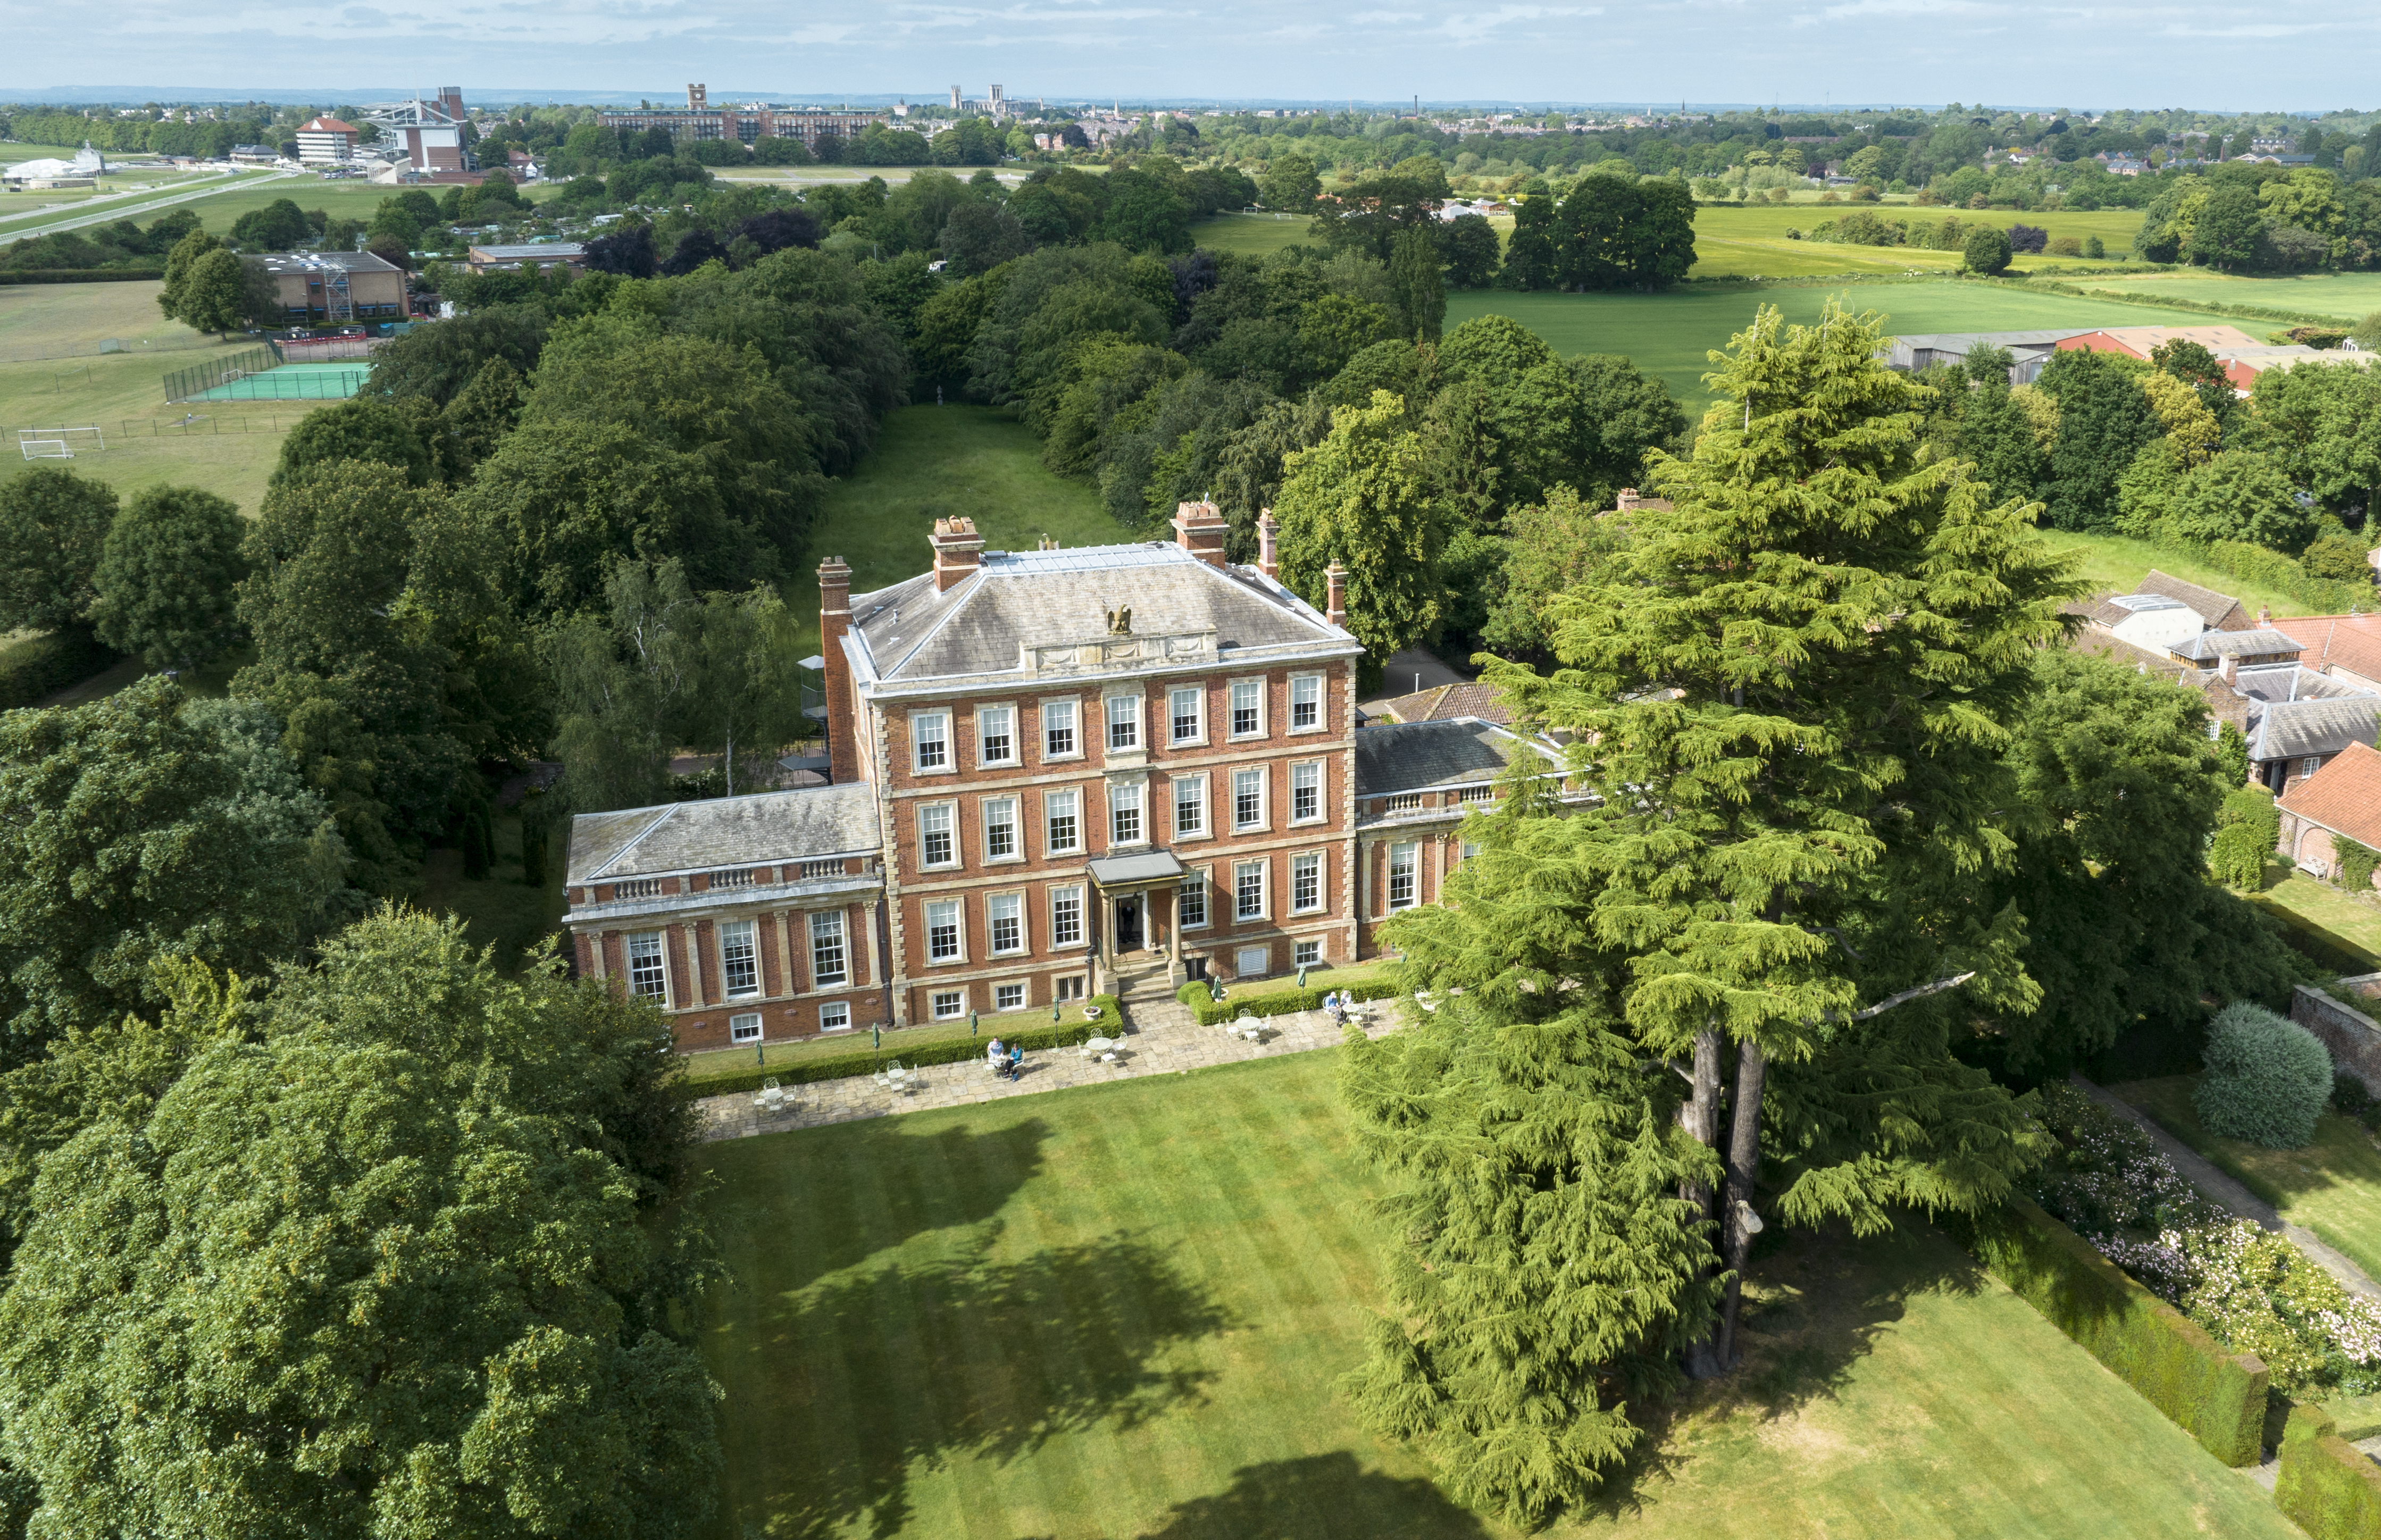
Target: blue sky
2191	53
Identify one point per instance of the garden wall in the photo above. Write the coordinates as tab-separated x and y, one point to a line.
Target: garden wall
2353	1037
2217	1396
2326	1484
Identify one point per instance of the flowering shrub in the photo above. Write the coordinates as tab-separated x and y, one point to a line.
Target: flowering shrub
2254	1292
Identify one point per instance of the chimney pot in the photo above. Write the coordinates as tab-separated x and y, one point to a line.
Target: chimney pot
2265	616
958	551
1268	544
1199	529
1334	576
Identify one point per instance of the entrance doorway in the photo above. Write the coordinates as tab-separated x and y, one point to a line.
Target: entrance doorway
1127	924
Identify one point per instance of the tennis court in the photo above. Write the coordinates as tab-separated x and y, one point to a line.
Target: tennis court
290	382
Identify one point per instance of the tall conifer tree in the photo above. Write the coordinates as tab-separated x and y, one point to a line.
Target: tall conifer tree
1791	696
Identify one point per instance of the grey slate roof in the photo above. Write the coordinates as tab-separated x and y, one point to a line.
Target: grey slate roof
1419	756
2250	643
2287	681
911	634
2289	729
2212	608
805	825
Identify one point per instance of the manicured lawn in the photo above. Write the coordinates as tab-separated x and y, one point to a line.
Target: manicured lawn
1668	335
2346	921
931	462
2332	1186
499	909
2115	563
1119	1311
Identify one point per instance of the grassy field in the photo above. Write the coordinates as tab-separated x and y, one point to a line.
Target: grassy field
2350	295
1251	235
1750	241
2332	1186
1667	334
2347	922
1119	1311
931	462
230	450
2114	563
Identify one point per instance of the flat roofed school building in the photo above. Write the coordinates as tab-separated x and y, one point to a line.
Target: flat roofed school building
747	124
1052	774
338	286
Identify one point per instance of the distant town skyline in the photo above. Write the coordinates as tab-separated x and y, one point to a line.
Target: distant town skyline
2196	54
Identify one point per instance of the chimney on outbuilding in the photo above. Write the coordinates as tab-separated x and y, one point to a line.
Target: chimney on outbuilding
1199	529
2264	618
834	622
958	551
1268	544
2229	669
1336	610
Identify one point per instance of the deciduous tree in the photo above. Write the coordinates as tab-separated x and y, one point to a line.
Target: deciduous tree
53	530
166	581
1363	498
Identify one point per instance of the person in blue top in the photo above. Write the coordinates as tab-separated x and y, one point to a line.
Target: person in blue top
1015	1062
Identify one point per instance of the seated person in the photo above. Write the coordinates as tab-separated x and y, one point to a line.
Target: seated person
996	1056
1016	1060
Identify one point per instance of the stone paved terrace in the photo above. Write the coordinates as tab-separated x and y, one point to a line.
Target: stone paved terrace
1161	1038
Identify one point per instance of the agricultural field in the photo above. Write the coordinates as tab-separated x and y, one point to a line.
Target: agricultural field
1121	1311
229	449
931	462
1667	334
1749	240
2349	296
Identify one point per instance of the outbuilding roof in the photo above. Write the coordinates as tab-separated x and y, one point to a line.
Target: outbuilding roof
808	823
2344	796
2288	729
2260	642
2219	610
1424	756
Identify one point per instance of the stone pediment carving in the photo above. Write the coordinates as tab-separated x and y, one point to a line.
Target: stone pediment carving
1106	653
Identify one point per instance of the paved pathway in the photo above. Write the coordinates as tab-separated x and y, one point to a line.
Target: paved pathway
1161	1039
2210	1179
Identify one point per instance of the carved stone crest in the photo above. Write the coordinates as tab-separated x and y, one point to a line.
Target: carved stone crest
1120	621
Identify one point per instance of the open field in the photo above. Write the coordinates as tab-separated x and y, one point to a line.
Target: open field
2332	1186
2350	295
1119	1311
145	197
71	319
1751	241
1254	235
931	462
1667	334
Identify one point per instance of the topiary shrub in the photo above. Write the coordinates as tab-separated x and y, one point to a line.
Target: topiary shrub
2267	1079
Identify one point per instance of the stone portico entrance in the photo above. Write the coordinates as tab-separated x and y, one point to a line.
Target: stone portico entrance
1137	894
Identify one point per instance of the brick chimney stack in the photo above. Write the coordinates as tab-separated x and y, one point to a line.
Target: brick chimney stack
1336	611
1627	500
1199	529
1268	545
958	551
2229	669
834	622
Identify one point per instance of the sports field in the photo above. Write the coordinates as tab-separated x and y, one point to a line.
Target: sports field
1121	1311
227	447
1668	335
293	381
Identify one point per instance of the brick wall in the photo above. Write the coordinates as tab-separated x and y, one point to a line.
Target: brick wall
2353	1037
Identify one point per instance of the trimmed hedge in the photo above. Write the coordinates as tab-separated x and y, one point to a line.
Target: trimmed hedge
2326	1485
2267	1079
949	1050
83	276
38	667
1279	1002
2217	1396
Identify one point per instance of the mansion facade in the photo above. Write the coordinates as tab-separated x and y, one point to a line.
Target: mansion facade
1050	774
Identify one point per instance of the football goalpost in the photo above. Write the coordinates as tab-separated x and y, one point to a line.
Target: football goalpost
54	443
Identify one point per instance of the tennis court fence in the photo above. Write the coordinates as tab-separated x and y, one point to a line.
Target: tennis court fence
189	385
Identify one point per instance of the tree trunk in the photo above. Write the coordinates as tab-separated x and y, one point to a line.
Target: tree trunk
1700	1117
1736	1202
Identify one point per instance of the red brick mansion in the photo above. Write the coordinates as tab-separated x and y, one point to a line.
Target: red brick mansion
1052	774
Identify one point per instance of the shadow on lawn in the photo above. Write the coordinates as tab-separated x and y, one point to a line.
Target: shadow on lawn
931	1359
1814	1307
862	1188
1324	1497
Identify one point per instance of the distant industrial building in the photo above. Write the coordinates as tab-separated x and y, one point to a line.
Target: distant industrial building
752	121
320	287
327	142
